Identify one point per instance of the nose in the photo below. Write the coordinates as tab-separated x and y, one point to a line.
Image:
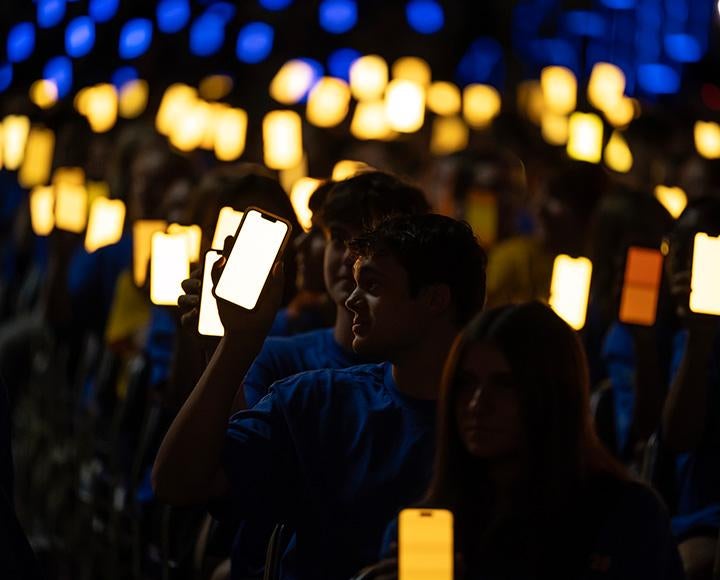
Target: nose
348	258
481	400
353	301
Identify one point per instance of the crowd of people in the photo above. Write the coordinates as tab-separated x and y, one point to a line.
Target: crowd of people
402	355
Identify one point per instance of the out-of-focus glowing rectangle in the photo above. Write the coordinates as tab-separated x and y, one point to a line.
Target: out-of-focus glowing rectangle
425	544
606	85
412	68
300	196
707	139
282	139
370	121
97	189
15	133
42	210
328	102
405	106
227	224
230	134
618	156
559	88
481	212
673	198
288	177
143	231
70	207
193	234
346	168
368	77
101	107
176	99
570	289
443	98
169	266
105	224
191	126
209	323
554	128
449	135
133	99
585	135
35	169
705	280
639	299
481	104
71	175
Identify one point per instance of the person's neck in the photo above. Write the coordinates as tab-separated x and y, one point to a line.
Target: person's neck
418	372
506	475
342	330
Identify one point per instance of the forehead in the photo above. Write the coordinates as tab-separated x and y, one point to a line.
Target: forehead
385	265
483	359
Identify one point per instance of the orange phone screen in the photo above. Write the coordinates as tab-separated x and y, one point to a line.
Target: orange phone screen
641	287
425	544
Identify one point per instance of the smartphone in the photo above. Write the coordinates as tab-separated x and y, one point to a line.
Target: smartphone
641	286
70	207
227	224
42	214
194	239
260	240
169	266
570	289
209	323
705	277
143	231
105	225
425	544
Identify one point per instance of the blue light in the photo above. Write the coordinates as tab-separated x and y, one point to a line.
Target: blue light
254	42
207	35
482	63
172	15
658	79
103	10
275	4
318	72
337	16
79	36
585	23
683	48
50	12
124	75
425	16
20	42
224	10
135	38
59	70
619	4
339	62
555	51
6	76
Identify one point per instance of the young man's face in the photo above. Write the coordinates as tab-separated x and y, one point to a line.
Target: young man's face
386	318
338	263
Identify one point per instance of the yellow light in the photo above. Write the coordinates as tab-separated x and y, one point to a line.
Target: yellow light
412	68
70	207
705	278
481	104
143	231
35	169
617	154
585	134
606	86
300	196
133	99
215	110
227	225
176	99
444	98
624	111
44	93
96	189
288	177
191	127
291	82
169	266
42	212
530	100
193	234
449	134
425	544
81	99
15	133
368	77
328	102
230	134
570	288
559	89
405	106
101	107
105	224
673	198
481	212
1	145
554	128
346	168
71	175
707	139
282	139
370	121
215	87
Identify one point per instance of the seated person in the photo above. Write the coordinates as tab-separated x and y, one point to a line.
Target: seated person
533	491
334	453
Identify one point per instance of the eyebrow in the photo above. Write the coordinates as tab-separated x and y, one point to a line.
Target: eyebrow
363	269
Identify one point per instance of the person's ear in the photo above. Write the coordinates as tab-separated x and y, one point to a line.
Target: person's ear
438	298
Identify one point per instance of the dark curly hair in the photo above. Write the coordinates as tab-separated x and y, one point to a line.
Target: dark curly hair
433	249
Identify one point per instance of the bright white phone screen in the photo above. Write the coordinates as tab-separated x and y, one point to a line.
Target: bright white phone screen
209	323
253	255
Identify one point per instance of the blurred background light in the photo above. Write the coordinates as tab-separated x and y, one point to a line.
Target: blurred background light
124	75
482	63
425	16
135	38
59	70
659	79
584	23
337	16
223	10
618	4
254	42
6	75
50	12
172	15
20	42
275	4
340	61
683	48
207	34
43	93
103	10
79	36
294	80
215	87
412	68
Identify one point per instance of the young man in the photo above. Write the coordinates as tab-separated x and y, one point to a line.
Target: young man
335	453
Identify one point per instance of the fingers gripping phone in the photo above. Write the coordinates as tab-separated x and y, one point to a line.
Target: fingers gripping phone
425	544
259	241
209	323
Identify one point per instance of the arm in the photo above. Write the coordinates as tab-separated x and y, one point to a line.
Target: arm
649	396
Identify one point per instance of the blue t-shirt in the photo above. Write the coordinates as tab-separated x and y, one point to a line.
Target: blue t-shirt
160	342
334	454
282	357
284	325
